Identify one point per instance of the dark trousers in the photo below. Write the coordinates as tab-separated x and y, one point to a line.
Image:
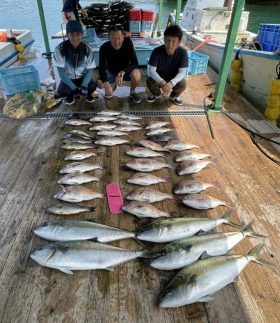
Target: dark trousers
154	87
65	91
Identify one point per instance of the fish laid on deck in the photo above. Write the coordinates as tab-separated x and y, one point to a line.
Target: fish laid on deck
190	167
79	167
144	210
144	179
82	255
148	195
203	202
74	230
79	155
191	186
77	179
190	156
65	208
177	228
146	165
77	194
197	282
183	252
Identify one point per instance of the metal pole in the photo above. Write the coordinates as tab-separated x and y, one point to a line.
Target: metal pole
44	28
160	17
178	11
227	56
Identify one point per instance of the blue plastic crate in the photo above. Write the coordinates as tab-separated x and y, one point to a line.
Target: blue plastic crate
268	33
197	63
147	26
135	26
19	79
90	36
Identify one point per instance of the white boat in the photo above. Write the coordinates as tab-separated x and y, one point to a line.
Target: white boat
205	26
8	51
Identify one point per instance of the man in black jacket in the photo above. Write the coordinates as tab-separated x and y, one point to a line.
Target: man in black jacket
117	63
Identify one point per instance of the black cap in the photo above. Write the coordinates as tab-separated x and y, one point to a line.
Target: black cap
74	26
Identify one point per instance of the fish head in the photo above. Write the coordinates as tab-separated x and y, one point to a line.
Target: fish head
47	230
43	254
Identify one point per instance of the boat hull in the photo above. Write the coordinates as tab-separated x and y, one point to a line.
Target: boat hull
8	52
258	67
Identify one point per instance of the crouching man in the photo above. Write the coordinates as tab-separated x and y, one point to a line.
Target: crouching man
74	60
168	67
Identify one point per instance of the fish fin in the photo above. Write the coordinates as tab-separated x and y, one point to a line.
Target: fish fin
201	233
139	242
206	299
204	255
65	270
248	231
235	280
110	268
253	255
94	240
227	220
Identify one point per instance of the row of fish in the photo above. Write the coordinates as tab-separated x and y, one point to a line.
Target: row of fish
187	246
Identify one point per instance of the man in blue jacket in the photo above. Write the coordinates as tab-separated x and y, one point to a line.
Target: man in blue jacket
75	63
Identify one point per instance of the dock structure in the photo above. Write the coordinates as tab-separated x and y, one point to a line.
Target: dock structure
30	159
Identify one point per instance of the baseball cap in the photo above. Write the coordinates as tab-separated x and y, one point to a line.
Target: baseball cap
74	26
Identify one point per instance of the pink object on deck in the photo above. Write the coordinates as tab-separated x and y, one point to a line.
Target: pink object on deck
114	198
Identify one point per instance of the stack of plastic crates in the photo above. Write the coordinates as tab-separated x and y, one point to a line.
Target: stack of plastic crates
269	37
19	79
134	20
147	21
197	63
90	36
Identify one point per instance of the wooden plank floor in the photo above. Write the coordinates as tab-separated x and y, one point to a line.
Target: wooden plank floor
30	158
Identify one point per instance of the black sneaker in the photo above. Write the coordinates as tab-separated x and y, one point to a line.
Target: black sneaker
90	99
151	99
135	98
175	100
69	100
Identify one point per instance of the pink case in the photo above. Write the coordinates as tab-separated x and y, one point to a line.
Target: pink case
114	198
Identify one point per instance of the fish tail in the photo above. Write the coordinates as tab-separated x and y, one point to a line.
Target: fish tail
227	220
150	255
248	231
254	255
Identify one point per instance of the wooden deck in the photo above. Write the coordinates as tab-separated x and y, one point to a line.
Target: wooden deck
30	158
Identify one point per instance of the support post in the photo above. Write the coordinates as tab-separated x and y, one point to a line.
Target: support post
178	11
227	56
160	17
48	53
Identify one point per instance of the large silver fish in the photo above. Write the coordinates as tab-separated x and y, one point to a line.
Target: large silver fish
200	280
178	228
190	156
77	179
129	116
179	145
108	112
161	138
157	124
111	141
82	255
102	119
202	202
79	155
146	165
145	179
152	145
77	146
77	139
111	133
74	230
124	122
148	195
128	128
64	208
191	167
77	194
79	132
143	152
191	186
158	131
103	126
144	210
77	122
78	167
185	251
